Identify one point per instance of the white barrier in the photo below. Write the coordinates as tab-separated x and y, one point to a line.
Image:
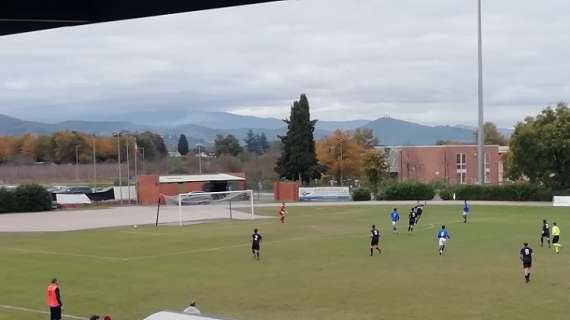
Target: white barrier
66	198
123	192
559	201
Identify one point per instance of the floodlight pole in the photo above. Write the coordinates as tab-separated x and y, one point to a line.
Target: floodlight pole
94	164
118	135
128	173
76	162
199	159
480	132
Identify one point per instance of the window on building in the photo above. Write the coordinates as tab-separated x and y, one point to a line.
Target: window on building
487	168
461	168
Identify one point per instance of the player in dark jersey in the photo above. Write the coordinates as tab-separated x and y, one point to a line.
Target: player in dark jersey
526	258
545	233
374	240
412	220
256	239
419	209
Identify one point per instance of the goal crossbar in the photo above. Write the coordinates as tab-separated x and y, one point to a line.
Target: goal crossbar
231	195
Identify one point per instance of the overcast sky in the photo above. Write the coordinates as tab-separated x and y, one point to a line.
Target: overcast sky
356	59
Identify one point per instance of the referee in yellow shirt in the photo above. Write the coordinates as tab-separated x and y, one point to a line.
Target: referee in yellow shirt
556	238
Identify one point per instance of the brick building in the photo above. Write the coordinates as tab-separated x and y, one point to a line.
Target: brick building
454	164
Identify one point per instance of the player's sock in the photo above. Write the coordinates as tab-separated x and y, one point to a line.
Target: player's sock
371	252
542	242
379	250
549	243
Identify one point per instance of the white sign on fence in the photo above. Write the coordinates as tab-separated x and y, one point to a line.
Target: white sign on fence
66	198
125	193
559	201
324	194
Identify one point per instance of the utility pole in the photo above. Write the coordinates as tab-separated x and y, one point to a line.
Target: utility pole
199	159
94	165
118	135
76	162
128	173
142	160
481	133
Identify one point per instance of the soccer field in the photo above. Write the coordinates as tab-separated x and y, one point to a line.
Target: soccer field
316	266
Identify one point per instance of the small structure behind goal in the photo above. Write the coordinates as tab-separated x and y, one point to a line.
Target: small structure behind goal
200	206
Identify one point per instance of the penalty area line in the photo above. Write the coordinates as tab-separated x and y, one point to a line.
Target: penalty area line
15	308
64	254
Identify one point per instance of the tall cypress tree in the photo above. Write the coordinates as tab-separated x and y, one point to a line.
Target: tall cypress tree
299	159
183	145
251	142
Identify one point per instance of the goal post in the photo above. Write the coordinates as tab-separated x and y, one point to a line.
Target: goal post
196	206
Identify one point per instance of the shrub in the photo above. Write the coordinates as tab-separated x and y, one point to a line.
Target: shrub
25	198
407	191
514	192
361	194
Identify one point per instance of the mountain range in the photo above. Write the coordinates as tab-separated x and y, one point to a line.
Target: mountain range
204	126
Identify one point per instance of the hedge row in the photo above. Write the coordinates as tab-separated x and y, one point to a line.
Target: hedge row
361	194
514	192
406	191
25	198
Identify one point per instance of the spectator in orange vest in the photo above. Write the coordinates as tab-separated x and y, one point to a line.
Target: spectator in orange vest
282	212
54	300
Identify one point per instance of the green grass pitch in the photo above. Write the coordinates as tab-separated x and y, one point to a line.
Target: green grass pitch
316	266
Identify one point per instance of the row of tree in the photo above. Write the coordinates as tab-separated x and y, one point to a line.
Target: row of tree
72	146
254	143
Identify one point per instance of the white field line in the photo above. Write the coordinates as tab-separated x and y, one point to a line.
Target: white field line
185	252
65	316
53	253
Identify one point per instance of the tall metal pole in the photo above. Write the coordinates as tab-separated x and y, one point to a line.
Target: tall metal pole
199	159
136	156
142	160
128	174
77	163
94	165
481	133
119	163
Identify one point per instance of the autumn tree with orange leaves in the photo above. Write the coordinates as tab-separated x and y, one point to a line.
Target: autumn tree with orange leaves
341	154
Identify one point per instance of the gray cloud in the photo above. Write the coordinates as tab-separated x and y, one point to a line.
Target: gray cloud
411	59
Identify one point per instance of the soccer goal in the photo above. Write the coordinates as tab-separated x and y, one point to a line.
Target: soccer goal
198	206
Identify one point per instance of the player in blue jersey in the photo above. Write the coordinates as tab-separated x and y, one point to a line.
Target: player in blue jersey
465	211
374	240
442	237
395	217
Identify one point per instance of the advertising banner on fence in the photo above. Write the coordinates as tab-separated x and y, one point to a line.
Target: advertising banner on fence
561	201
324	194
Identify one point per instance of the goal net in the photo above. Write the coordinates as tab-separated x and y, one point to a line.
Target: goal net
197	206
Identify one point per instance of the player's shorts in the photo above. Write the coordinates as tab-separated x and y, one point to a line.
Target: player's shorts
374	242
255	246
55	313
442	241
555	239
465	213
394	223
545	235
527	263
412	222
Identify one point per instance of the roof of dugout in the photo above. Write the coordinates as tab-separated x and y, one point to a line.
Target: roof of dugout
18	16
